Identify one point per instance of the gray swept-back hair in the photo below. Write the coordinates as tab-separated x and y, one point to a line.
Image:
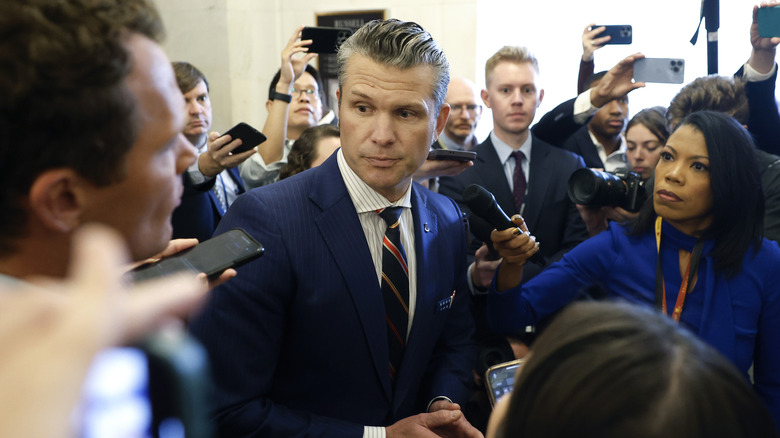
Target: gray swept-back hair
400	44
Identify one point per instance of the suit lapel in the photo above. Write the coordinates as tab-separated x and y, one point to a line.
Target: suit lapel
492	173
340	228
215	204
587	148
419	341
538	179
237	179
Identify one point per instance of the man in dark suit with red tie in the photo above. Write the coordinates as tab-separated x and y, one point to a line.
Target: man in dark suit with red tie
536	185
354	322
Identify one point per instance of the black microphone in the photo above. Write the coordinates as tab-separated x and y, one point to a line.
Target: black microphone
483	204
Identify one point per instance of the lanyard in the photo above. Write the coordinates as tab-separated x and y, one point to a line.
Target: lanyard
687	281
222	198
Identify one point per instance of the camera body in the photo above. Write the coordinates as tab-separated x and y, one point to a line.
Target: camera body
620	188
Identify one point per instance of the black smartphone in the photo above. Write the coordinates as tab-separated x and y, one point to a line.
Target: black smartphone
178	385
325	39
449	154
662	70
156	388
620	33
250	137
500	379
768	18
227	250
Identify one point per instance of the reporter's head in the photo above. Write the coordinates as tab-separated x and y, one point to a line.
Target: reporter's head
616	370
707	184
90	127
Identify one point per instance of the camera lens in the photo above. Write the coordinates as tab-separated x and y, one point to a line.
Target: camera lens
595	188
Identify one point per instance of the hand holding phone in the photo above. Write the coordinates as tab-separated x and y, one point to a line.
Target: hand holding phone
621	33
662	70
250	137
212	257
325	39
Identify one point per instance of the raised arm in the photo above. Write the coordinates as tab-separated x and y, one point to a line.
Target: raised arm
292	67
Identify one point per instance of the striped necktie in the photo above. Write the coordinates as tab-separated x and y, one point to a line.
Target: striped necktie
395	287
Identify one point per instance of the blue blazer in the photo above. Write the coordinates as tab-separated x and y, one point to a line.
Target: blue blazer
297	340
198	214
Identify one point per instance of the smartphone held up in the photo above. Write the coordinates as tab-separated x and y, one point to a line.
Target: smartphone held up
325	39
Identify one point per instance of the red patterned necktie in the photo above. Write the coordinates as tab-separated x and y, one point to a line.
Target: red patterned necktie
395	287
518	180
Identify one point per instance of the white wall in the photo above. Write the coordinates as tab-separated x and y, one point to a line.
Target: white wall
237	43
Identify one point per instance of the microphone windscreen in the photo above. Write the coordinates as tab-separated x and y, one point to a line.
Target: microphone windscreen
477	198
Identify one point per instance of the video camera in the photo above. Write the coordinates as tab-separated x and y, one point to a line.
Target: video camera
620	188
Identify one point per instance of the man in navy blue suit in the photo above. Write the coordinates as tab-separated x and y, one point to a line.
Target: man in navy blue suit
212	183
299	340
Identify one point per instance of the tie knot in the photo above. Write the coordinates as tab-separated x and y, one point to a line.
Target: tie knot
391	215
518	156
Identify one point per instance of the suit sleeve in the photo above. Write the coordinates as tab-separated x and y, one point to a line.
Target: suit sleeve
243	329
558	124
763	120
560	284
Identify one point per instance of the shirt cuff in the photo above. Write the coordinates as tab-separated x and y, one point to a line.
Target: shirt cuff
435	399
374	432
752	75
583	107
474	289
196	176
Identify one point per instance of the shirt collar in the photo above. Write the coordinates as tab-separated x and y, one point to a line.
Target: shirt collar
449	143
363	196
504	151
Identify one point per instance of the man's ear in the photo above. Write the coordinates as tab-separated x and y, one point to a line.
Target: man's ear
56	199
441	121
268	105
485	97
541	96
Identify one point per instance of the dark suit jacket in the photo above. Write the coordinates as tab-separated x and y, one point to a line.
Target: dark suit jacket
298	340
558	124
549	214
764	125
198	215
763	120
581	144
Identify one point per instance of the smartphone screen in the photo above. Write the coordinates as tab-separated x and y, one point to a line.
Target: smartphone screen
115	396
227	250
500	379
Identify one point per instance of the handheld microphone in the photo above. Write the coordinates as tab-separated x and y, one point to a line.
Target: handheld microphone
483	204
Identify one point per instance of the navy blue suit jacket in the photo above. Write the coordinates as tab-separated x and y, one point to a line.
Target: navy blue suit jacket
198	214
298	340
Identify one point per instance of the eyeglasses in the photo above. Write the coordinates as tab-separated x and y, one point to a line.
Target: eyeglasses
472	108
306	91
